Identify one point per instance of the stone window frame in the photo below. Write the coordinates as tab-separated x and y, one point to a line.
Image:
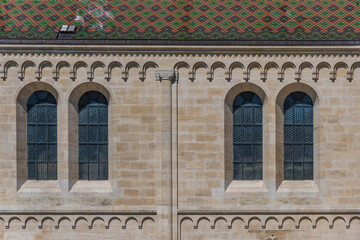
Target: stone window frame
86	186
22	182
285	186
231	185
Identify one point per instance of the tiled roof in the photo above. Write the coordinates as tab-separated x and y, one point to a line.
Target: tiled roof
183	20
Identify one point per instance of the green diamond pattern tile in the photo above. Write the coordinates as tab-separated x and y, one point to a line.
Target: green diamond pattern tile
325	3
229	3
278	3
275	24
276	13
165	3
244	13
68	2
228	13
294	3
342	13
245	3
15	12
193	24
179	13
293	13
260	14
213	3
309	3
195	13
242	24
133	3
149	3
342	2
36	2
258	24
291	24
309	13
211	13
340	24
183	20
356	24
52	2
324	13
324	24
159	23
356	13
176	24
308	24
64	12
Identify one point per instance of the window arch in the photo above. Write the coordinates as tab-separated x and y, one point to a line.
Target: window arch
41	136
298	137
93	136
247	137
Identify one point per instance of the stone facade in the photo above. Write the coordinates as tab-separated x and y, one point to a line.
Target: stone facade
170	143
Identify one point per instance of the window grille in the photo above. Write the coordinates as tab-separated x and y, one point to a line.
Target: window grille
247	137
93	136
41	136
298	137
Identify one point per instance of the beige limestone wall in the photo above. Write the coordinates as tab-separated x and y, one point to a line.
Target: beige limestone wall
199	149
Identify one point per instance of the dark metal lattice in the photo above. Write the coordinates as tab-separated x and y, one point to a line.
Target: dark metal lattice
93	136
247	137
42	136
298	137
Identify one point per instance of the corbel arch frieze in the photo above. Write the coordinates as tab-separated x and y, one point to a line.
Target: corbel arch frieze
350	74
39	71
196	66
110	67
58	66
128	66
302	66
286	65
5	71
24	66
77	65
318	68
214	66
74	218
229	66
181	64
145	67
250	67
295	220
92	69
337	66
267	67
232	67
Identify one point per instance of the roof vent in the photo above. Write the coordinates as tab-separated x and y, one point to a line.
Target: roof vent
66	32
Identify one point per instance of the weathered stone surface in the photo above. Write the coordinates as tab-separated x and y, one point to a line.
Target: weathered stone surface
170	144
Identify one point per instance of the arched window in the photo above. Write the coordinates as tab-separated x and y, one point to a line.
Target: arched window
41	136
247	137
93	136
298	137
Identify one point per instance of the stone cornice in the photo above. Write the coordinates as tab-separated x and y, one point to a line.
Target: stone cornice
185	50
270	212
181	212
78	212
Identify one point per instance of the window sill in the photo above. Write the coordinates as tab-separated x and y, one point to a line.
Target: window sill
305	186
83	186
246	186
42	186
